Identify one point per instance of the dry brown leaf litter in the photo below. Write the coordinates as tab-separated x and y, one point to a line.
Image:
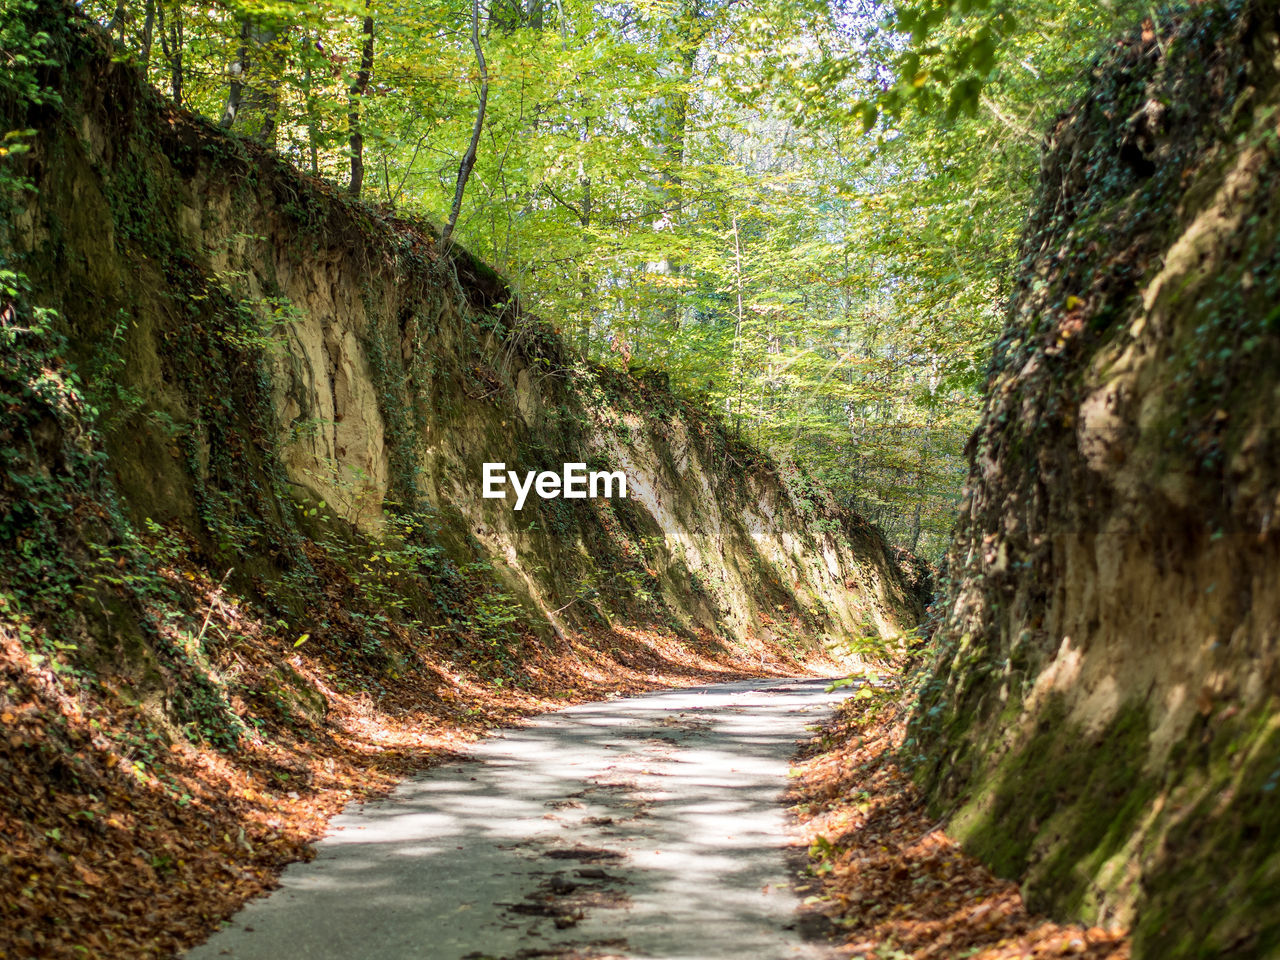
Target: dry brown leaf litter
893	881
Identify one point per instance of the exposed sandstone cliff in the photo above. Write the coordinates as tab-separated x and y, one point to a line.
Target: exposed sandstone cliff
1103	713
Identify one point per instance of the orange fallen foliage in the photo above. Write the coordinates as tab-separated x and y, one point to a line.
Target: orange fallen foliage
123	838
894	881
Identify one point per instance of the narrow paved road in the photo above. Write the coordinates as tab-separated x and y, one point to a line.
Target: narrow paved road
642	827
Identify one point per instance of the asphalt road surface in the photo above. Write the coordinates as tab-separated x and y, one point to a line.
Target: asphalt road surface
646	827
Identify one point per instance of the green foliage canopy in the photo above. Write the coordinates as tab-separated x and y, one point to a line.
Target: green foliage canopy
802	211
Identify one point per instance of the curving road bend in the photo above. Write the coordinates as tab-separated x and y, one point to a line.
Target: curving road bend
645	827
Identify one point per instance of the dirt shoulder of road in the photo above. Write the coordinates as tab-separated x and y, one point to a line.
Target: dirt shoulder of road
888	881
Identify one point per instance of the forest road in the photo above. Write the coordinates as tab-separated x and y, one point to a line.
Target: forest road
645	827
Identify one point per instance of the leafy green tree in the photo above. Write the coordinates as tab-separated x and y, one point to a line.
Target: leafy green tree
803	212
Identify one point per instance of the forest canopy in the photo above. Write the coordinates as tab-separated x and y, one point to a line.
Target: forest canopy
801	211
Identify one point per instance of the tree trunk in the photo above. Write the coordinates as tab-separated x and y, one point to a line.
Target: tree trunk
235	90
116	24
735	362
917	522
148	32
171	48
253	101
673	136
585	280
358	89
469	158
309	97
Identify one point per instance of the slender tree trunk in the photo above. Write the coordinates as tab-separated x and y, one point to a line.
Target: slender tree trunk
267	96
673	136
358	90
179	42
252	106
148	32
533	14
584	220
735	362
235	89
920	479
585	278
116	24
469	158
309	97
171	47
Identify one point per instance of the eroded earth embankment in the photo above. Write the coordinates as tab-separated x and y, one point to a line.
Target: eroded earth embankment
1103	713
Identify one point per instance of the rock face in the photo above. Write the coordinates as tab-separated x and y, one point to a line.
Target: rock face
265	353
1103	710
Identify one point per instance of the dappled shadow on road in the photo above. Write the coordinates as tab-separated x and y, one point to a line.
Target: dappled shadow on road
641	828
